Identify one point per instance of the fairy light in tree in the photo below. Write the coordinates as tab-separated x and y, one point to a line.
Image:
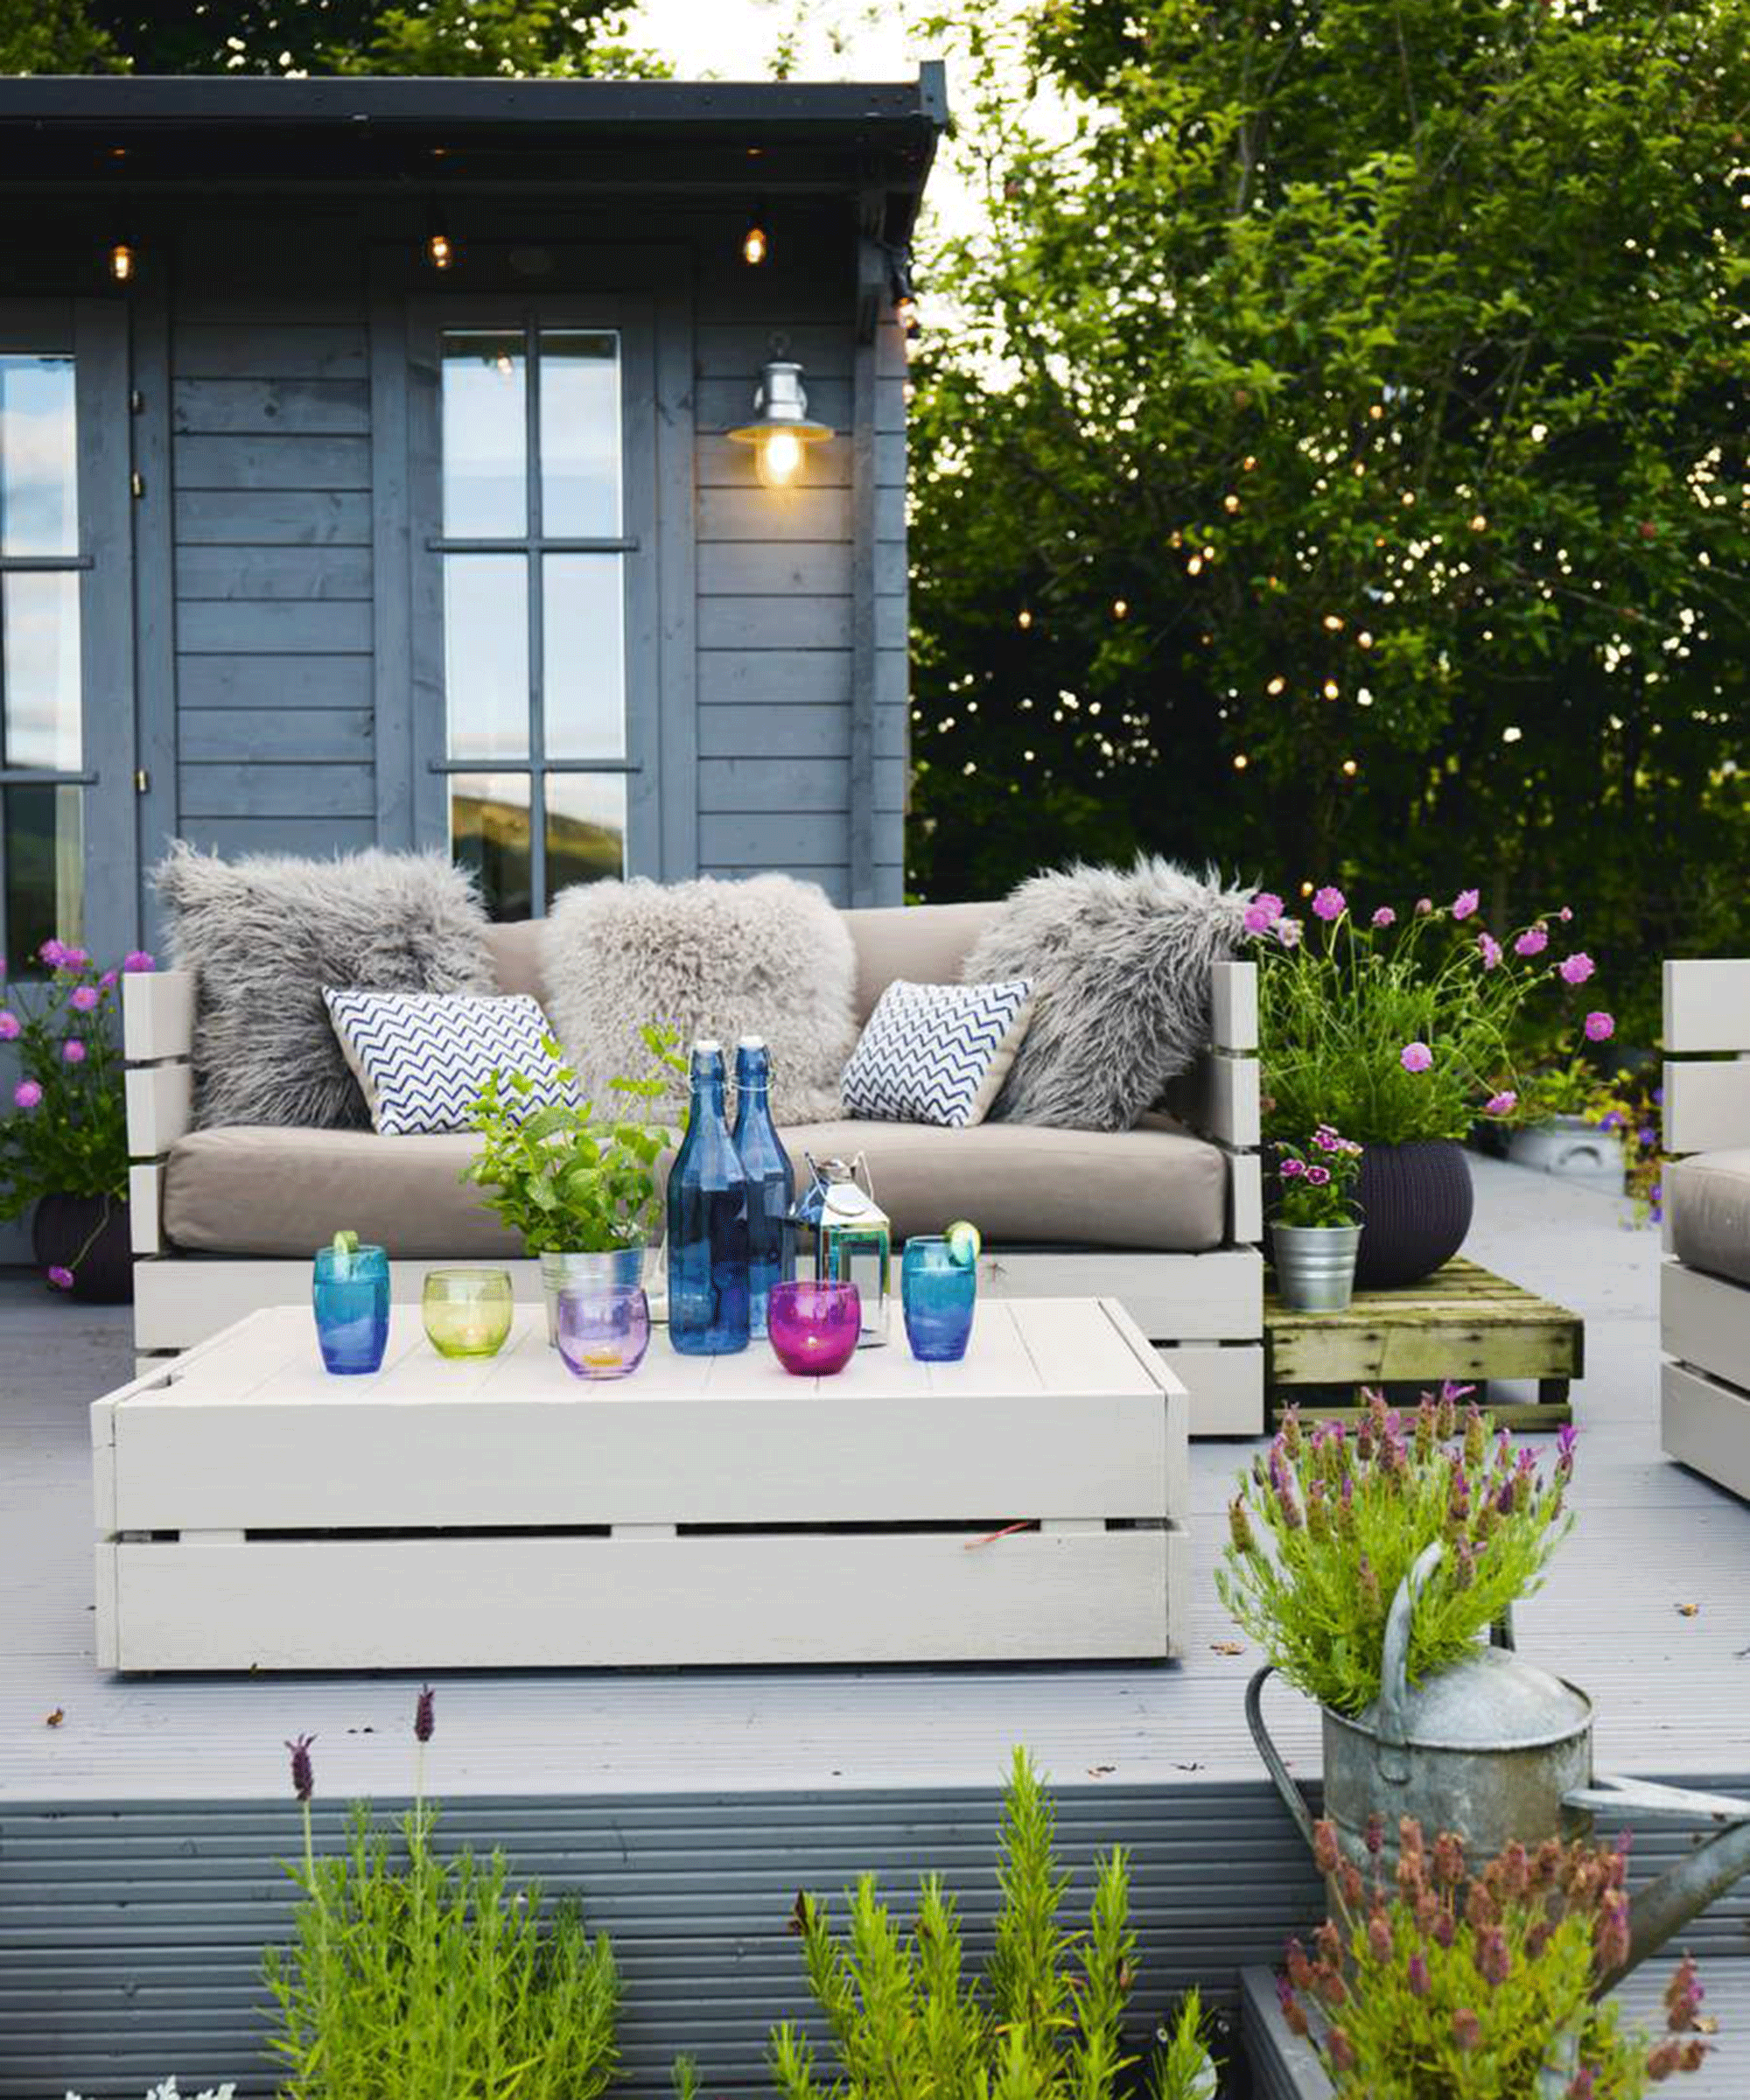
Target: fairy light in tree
1120	609
1230	502
1024	619
1350	768
438	252
1330	688
1241	761
1363	640
1333	623
1479	523
1276	685
1194	566
1248	464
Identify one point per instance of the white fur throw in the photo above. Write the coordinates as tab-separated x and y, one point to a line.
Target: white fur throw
265	934
769	956
1120	961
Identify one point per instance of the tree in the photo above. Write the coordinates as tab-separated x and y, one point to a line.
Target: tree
1332	464
52	36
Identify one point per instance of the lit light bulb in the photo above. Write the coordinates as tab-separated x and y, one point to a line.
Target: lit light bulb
1230	502
1276	686
1120	608
1240	761
1350	768
1333	623
1479	523
439	250
1331	688
754	245
1363	640
121	262
1024	619
1194	566
779	457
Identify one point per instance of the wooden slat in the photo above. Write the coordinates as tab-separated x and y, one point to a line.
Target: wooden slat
255	790
281	462
1706	1426
288	682
1705	1322
1707	1005
1225	1385
1245	1198
272	517
310	837
158	1014
145	1194
1220	1097
1214	1296
774	623
274	407
274	628
771	568
273	572
749	731
1233	988
754	841
160	1110
748	512
774	678
1707	1106
251	736
221	350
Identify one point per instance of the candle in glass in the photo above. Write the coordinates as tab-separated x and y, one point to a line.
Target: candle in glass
467	1311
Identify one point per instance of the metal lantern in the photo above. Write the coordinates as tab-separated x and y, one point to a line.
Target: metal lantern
782	429
853	1237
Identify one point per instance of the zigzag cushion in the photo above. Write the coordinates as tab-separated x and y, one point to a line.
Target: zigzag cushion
422	1057
936	1053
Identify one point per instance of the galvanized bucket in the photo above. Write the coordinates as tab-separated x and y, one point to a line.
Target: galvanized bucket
1315	1265
621	1269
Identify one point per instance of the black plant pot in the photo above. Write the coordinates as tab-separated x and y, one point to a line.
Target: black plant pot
1415	1205
104	1274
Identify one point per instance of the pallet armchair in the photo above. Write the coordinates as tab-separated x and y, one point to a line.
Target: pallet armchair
1203	1311
1704	1285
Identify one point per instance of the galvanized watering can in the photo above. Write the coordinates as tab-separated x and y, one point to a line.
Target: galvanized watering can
1496	1749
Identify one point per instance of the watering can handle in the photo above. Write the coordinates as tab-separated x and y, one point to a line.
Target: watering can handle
1393	1667
1292	1799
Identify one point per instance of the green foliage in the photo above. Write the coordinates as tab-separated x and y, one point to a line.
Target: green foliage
1479	1988
432	1979
1341	1006
53	36
907	2023
1315	1180
1347	1519
1381	363
571	1182
72	1141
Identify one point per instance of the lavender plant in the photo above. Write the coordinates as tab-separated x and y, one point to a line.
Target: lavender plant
1313	1181
1046	2023
1347	1518
1450	1986
430	1979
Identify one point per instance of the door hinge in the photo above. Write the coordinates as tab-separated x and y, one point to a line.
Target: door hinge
137	401
143	782
137	482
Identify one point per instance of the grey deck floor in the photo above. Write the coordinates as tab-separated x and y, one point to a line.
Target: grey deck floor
1673	1690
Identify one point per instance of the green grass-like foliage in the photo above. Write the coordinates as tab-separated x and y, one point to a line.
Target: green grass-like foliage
907	2023
1346	1517
428	1978
1450	1987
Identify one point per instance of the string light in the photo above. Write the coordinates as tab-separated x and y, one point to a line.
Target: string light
1276	686
1331	688
1511	735
754	245
1363	640
122	263
1350	768
1333	623
1241	761
1248	464
1479	523
1023	618
1120	609
1194	566
1375	411
439	252
1307	889
1230	502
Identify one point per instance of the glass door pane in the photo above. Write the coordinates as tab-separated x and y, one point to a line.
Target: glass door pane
583	618
42	835
40	691
579	434
39	456
586	829
489	833
485	655
485	434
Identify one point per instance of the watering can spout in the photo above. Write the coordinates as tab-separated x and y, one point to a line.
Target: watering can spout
1682	1892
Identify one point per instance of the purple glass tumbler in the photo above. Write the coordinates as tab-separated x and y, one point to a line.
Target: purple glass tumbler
603	1333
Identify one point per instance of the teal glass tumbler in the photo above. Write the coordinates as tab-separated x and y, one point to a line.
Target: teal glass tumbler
351	1296
938	1294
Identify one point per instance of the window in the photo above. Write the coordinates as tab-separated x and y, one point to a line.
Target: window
42	742
536	568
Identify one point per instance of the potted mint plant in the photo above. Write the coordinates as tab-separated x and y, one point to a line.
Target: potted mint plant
1315	1234
579	1187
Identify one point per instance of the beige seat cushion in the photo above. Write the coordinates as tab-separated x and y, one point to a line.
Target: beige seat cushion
1707	1199
258	1191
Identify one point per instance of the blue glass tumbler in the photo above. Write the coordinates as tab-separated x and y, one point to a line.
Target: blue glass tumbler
938	1294
351	1295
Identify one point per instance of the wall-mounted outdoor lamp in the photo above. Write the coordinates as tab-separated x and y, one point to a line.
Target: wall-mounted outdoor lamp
782	429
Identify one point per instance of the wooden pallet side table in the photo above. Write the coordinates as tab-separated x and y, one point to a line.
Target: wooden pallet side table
1463	1322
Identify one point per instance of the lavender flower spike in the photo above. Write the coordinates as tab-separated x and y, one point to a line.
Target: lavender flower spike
424	1718
303	1773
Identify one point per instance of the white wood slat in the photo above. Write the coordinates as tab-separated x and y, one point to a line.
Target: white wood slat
1705	1321
144	1198
1213	1297
179	1301
1225	1385
1707	1106
1707	1005
158	1015
160	1101
1245	1198
1706	1425
1220	1097
508	1602
1234	1007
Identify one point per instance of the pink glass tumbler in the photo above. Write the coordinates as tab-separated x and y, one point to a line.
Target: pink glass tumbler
813	1327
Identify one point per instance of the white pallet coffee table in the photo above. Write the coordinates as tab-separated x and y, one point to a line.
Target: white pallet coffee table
253	1513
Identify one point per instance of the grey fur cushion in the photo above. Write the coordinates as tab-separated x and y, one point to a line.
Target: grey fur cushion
1120	962
265	934
768	956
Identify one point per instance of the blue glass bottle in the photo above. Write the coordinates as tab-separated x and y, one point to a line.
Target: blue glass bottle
770	1180
707	1224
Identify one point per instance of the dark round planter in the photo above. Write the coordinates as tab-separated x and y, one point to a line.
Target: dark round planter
103	1275
1415	1203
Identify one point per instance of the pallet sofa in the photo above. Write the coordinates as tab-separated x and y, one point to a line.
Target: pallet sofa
1705	1286
1165	1218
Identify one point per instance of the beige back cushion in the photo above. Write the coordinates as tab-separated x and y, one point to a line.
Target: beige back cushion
924	942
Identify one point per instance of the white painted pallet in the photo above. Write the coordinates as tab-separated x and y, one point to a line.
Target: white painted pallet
255	1513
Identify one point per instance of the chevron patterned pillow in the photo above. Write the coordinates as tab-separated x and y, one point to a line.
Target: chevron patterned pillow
421	1057
936	1053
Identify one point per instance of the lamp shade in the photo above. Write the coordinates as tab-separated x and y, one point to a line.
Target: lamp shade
781	427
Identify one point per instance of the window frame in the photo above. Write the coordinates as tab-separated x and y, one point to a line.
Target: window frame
96	332
630	318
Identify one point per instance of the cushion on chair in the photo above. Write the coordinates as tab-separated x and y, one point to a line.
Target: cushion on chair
422	1057
936	1053
926	943
1707	1199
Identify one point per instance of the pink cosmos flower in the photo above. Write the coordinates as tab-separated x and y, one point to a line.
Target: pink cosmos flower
1424	906
1318	1176
61	1278
1502	1103
1489	949
1576	967
27	1094
1533	940
1288	932
73	1051
1415	1057
1329	903
1599	1027
11	1026
83	998
1465	904
1385	916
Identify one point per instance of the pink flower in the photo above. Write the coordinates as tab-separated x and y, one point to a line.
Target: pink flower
61	1278
1263	911
11	1026
1415	1057
1489	949
1565	914
1465	904
53	952
1599	1027
1576	968
1288	932
1292	1169
1533	940
1385	916
1318	1176
83	998
137	961
108	978
1501	1104
27	1094
73	1051
1329	903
